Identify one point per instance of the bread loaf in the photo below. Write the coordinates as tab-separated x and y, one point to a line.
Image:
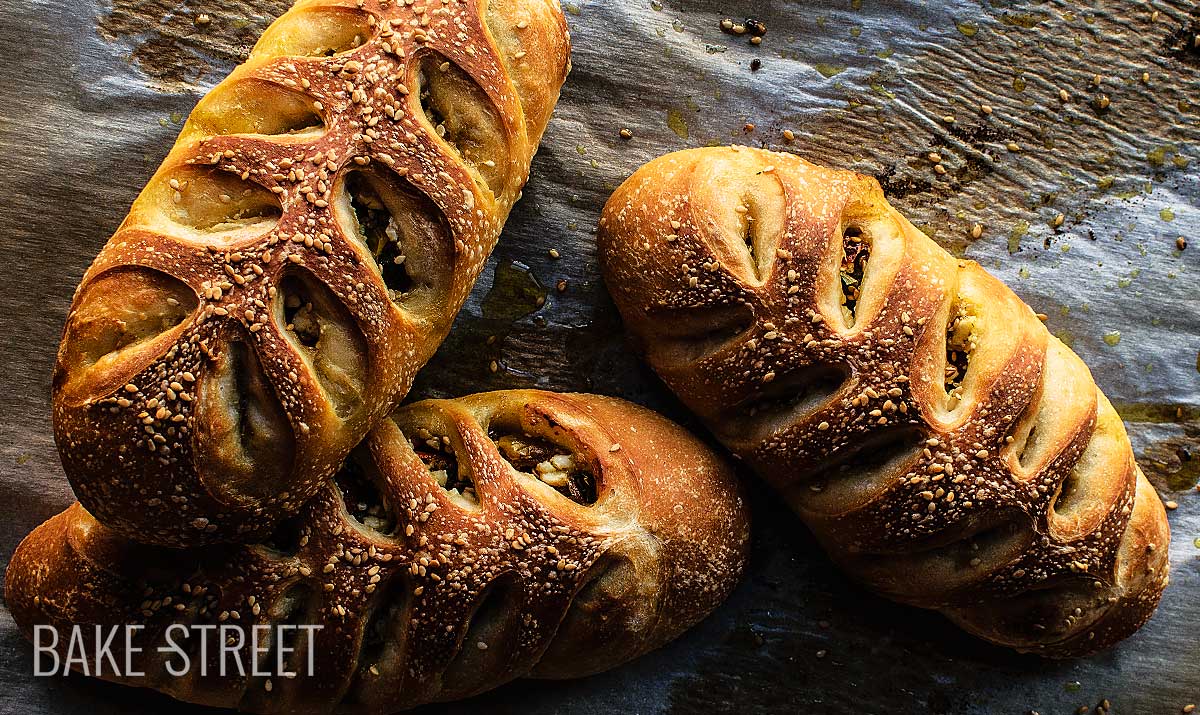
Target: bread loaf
941	444
464	544
301	252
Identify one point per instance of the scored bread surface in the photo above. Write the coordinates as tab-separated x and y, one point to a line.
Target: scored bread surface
438	563
942	445
299	255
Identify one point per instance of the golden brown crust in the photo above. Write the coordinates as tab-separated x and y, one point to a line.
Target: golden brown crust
409	578
944	448
323	215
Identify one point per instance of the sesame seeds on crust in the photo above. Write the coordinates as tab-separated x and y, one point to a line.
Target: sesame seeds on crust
943	447
252	223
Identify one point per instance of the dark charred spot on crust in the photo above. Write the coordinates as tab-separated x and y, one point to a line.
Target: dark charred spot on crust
552	464
366	503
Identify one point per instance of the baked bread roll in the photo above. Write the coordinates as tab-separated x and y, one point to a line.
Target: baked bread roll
301	252
464	544
942	445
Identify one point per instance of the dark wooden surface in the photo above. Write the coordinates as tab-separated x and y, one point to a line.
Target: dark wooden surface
93	93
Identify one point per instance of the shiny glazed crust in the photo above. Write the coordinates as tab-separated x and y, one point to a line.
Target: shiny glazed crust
943	446
301	252
431	597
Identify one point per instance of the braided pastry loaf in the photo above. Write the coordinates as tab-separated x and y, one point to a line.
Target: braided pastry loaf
517	534
942	445
299	255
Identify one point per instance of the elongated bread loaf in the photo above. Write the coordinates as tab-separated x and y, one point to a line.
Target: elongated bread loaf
301	252
464	544
942	445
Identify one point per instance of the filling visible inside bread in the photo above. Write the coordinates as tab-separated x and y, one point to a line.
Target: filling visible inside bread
381	234
404	233
329	338
856	251
961	341
316	32
438	455
365	502
385	635
462	114
256	106
551	464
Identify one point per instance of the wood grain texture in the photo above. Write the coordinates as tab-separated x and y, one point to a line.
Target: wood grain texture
81	132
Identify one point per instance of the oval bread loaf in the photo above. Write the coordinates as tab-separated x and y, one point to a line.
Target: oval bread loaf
301	252
464	544
942	445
